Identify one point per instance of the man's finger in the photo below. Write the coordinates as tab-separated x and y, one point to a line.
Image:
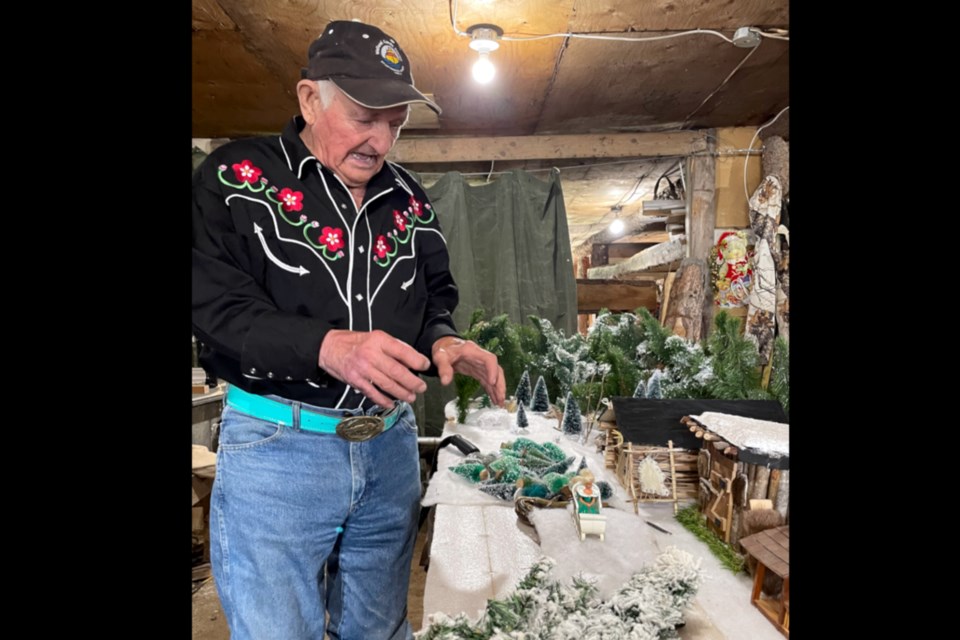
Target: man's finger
442	360
405	354
395	379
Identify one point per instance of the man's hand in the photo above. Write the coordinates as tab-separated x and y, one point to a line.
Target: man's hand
375	363
452	354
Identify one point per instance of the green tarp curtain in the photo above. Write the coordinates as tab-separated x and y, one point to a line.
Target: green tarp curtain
509	253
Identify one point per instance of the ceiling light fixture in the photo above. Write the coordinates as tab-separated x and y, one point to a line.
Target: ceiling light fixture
617	225
483	40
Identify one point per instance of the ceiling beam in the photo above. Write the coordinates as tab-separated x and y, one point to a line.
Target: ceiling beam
611	145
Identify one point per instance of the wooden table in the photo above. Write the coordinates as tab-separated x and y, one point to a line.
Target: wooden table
771	548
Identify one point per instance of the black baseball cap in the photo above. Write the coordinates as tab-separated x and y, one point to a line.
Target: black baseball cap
365	63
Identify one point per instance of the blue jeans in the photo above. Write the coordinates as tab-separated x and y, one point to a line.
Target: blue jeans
305	523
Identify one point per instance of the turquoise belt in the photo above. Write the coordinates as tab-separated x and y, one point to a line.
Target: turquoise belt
353	428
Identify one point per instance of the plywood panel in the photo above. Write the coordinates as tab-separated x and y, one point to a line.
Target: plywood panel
732	207
664	15
615	295
512	102
207	14
227	79
755	94
656	85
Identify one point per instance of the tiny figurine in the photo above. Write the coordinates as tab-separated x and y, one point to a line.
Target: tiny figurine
587	506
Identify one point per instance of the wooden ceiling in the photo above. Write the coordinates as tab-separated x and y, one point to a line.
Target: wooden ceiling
247	56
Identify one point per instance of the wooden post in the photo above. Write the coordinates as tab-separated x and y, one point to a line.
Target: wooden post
703	213
783	494
583	319
688	294
774	485
739	490
758	490
783	291
673	476
665	301
764	220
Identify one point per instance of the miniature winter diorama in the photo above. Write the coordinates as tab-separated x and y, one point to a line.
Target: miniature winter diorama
587	506
651	604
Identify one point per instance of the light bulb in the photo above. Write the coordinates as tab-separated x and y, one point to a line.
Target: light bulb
616	226
483	69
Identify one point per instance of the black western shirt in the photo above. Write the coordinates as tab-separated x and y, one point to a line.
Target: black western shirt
282	255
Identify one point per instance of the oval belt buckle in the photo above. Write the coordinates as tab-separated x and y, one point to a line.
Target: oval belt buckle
359	428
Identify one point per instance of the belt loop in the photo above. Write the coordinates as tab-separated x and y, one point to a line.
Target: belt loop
296	414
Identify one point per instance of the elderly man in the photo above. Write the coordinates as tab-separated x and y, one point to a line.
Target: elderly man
321	291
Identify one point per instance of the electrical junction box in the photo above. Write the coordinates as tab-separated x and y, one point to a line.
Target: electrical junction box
746	37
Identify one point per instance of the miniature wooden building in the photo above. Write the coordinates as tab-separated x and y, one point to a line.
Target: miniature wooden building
771	548
633	428
629	464
742	459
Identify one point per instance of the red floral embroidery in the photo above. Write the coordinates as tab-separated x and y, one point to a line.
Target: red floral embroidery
291	200
399	220
381	247
416	206
333	238
246	172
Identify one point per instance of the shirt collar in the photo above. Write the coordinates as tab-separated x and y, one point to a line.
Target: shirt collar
300	159
296	154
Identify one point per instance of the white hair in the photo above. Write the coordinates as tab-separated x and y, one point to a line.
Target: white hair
328	88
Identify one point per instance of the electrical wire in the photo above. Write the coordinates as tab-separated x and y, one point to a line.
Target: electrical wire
725	80
774	36
585	36
588	165
750	148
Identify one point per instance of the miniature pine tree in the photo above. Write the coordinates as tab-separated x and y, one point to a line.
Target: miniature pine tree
535	490
502	490
541	401
583	464
559	467
522	422
653	385
572	420
639	391
556	481
523	389
505	469
470	471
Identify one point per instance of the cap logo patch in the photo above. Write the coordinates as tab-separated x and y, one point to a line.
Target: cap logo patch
390	57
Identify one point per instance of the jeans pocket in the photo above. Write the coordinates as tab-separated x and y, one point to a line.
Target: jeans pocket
239	430
408	421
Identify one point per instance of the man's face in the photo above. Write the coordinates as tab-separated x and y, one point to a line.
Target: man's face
352	140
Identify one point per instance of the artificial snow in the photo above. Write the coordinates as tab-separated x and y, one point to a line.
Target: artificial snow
481	550
748	433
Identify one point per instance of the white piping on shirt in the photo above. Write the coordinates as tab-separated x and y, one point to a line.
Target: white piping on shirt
412	255
284	149
276	227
